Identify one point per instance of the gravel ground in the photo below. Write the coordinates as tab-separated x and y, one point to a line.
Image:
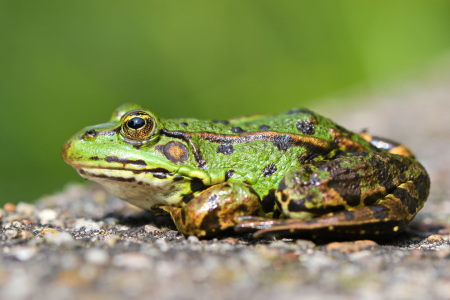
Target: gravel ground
85	244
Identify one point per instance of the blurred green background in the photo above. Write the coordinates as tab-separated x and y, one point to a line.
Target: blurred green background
68	64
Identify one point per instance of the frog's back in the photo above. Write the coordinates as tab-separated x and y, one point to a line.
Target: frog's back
260	149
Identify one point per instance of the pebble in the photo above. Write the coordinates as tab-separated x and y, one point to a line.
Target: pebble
150	228
23	253
87	225
162	244
9	207
11	233
435	238
59	238
131	260
47	215
96	256
351	247
25	209
193	239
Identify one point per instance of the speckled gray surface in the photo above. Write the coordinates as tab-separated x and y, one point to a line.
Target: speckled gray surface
84	244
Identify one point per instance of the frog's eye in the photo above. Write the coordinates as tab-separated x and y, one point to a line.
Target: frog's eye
138	125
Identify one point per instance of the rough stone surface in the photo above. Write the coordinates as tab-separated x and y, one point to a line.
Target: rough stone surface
85	244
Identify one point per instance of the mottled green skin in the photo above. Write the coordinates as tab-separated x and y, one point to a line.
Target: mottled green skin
211	176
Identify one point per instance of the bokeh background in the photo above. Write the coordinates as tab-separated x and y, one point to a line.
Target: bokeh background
68	64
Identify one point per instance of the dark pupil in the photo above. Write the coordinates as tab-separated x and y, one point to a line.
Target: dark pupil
136	123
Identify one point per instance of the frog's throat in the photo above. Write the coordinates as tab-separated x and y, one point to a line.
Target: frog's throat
143	189
282	141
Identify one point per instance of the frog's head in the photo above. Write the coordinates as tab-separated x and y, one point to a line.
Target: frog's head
131	157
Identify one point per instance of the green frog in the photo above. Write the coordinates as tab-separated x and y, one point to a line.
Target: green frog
296	173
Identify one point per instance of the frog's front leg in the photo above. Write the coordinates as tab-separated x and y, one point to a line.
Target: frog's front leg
215	209
351	197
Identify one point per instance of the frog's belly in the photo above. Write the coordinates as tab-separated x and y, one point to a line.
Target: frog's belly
143	190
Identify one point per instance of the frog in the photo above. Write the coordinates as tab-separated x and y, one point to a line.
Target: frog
292	174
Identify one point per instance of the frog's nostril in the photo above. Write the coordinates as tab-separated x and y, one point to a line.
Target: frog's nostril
91	133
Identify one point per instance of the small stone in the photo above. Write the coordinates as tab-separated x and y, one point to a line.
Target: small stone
23	253
162	244
59	238
151	229
193	239
131	260
435	238
47	215
88	225
9	207
112	240
25	209
351	247
96	256
11	233
29	223
25	235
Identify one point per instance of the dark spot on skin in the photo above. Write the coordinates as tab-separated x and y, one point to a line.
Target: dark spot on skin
307	170
225	149
160	175
299	111
94	158
276	214
423	186
138	162
112	159
306	127
284	197
264	127
409	201
282	186
221	122
176	152
158	170
296	205
269	170
183	216
380	212
304	159
178	178
229	174
184	124
268	201
238	130
125	161
345	181
197	185
242	208
283	142
210	222
188	198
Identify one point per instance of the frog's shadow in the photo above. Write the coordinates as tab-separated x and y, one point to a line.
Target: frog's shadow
416	232
141	219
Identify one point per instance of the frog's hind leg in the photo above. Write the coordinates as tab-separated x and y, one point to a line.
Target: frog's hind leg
214	210
367	194
387	145
392	214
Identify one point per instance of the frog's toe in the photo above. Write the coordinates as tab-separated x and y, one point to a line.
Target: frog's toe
246	224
